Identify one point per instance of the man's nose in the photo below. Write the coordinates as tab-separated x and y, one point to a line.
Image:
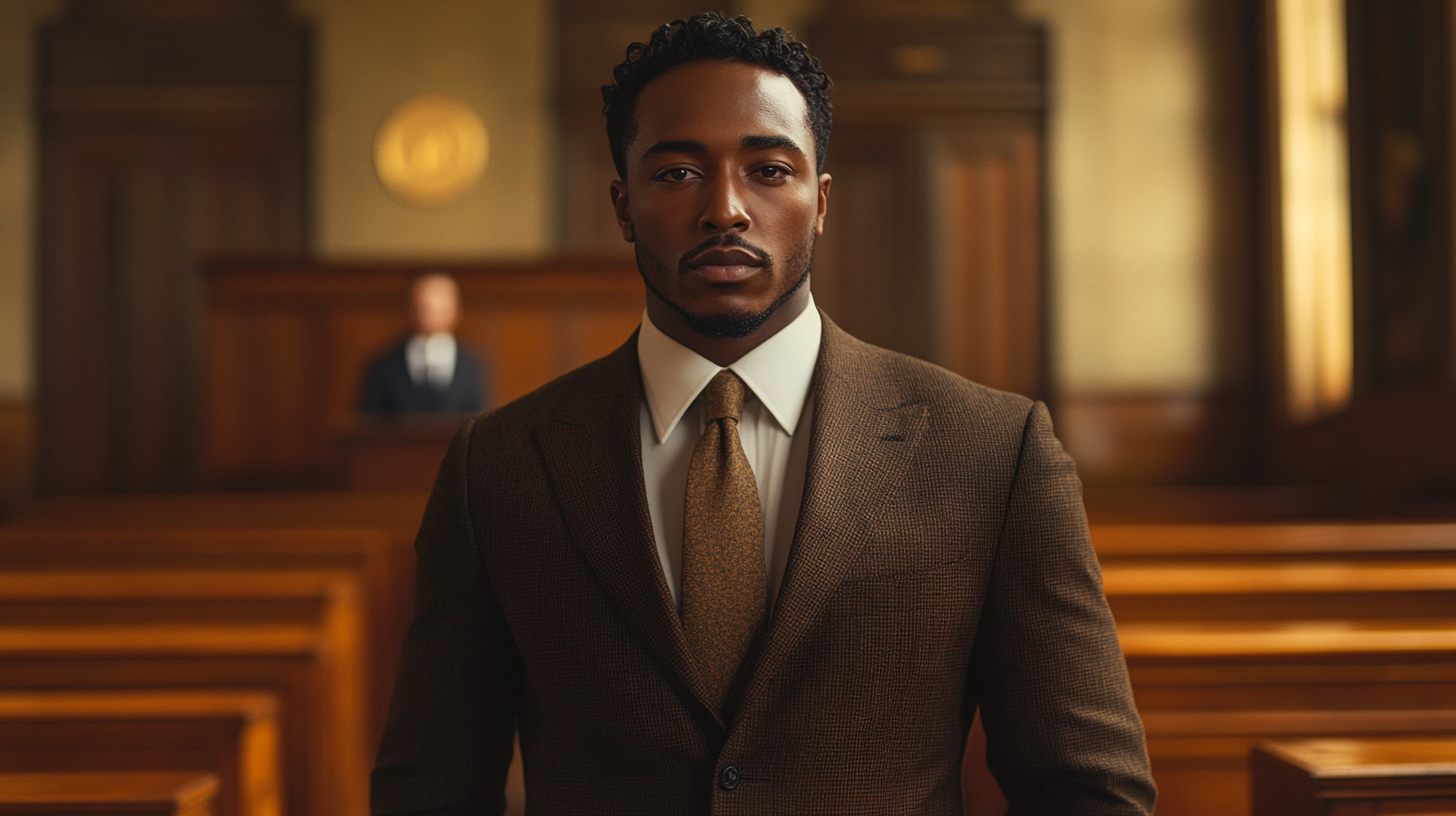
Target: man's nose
724	209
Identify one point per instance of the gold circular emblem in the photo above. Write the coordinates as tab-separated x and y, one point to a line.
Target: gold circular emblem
430	150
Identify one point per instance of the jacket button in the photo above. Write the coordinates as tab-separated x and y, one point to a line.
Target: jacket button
730	778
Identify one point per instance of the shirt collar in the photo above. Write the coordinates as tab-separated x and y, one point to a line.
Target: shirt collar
778	371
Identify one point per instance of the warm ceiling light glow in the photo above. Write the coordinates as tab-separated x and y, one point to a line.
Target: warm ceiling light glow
1315	206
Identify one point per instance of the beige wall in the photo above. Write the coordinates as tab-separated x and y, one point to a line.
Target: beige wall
493	56
18	21
1131	202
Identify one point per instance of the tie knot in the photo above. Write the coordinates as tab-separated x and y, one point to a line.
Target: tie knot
724	397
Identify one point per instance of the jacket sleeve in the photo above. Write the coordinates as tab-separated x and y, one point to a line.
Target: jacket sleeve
449	738
1062	733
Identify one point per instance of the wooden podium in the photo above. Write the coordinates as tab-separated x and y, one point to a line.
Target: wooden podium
1346	777
396	453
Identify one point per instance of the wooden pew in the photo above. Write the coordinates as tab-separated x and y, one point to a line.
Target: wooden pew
136	793
390	574
383	559
297	633
1232	642
234	733
1350	777
397	513
1207	542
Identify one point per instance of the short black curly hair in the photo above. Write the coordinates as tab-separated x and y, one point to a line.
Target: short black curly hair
712	36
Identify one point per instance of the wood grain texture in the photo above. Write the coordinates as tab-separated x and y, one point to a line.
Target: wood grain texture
1346	777
1239	633
86	611
185	614
934	241
168	133
247	531
1305	540
148	730
137	792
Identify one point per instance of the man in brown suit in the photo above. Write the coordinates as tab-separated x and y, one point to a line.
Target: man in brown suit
747	563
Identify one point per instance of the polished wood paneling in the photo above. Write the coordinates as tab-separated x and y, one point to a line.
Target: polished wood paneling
288	343
140	793
933	245
17	454
169	131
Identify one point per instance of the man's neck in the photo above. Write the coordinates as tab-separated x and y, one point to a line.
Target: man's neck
724	351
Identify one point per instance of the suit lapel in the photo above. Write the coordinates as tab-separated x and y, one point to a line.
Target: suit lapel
593	457
863	438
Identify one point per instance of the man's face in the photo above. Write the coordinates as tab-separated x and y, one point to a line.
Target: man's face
721	195
434	304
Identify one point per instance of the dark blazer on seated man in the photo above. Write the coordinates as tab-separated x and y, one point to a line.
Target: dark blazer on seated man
389	387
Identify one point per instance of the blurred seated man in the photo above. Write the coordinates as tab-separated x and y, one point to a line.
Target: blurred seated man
429	371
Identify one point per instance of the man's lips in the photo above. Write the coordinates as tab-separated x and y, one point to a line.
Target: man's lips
725	265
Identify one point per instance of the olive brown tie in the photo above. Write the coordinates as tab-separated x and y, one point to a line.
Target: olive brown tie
724	582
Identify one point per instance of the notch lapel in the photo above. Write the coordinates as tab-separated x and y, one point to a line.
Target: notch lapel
863	440
593	457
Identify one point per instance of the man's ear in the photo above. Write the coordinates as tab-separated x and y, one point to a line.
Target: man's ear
624	217
824	181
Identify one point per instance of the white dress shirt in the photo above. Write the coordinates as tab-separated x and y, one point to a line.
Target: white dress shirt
774	430
431	359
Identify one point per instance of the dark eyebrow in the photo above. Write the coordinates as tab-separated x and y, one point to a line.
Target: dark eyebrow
770	142
748	143
678	146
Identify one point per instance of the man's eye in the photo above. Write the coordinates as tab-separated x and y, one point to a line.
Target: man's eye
773	172
676	174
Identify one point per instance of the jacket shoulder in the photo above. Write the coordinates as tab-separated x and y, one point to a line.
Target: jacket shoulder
891	378
524	412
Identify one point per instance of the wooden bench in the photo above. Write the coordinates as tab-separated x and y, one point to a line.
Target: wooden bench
137	793
297	633
1207	542
234	733
398	513
377	558
1353	777
1227	651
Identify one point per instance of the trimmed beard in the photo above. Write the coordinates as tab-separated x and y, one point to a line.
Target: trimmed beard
725	326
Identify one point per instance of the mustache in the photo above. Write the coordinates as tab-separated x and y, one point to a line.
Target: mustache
726	239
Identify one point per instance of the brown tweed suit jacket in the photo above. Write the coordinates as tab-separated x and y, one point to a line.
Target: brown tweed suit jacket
941	563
